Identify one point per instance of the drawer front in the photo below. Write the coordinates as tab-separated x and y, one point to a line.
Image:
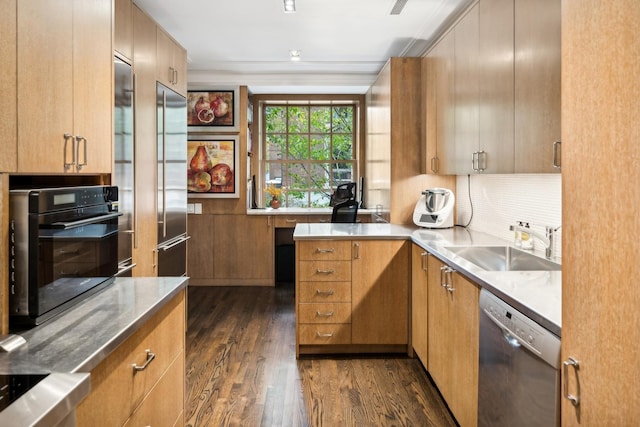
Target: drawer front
325	334
290	221
116	388
325	292
324	219
324	250
164	404
324	312
324	271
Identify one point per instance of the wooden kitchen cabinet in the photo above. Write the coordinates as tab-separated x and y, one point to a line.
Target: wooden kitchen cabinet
64	86
537	85
496	86
8	82
228	250
172	63
600	128
151	396
419	303
441	66
467	92
123	28
144	67
453	330
380	292
352	296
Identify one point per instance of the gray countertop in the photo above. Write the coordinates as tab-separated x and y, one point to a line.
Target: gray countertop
300	211
76	341
537	294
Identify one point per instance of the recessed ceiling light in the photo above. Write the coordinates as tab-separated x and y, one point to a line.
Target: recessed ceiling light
295	55
289	6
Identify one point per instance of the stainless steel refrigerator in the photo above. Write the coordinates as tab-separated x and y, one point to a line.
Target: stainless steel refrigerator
123	172
172	182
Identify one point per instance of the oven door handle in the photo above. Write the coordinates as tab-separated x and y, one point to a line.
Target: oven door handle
81	222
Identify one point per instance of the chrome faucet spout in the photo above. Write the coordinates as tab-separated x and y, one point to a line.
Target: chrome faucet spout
547	239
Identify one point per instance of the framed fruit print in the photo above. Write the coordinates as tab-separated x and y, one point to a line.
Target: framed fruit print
212	166
213	110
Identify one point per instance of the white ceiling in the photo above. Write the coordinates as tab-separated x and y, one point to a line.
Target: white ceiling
344	43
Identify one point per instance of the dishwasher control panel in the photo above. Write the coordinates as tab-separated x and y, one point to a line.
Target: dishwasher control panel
518	329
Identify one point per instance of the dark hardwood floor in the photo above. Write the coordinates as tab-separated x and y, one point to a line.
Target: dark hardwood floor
241	370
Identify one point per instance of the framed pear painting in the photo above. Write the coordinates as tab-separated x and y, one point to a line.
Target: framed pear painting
212	165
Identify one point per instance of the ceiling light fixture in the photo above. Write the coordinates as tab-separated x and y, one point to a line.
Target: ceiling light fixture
295	55
289	6
397	7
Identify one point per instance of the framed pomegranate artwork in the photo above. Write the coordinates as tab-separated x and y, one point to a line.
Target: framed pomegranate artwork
212	165
212	110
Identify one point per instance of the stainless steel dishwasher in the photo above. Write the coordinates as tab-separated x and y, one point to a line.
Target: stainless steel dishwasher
519	375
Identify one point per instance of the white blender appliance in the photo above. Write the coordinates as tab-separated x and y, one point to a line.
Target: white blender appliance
435	208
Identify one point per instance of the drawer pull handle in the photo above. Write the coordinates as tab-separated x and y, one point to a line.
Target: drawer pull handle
327	314
324	271
325	251
328	293
320	335
150	357
290	220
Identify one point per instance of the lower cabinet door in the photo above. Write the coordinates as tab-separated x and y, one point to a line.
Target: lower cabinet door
164	404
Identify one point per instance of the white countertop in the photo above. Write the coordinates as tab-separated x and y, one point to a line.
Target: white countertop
535	293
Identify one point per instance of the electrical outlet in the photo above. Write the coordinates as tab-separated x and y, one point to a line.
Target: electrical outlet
191	208
198	208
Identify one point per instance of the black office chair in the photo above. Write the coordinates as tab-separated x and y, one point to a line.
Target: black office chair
345	212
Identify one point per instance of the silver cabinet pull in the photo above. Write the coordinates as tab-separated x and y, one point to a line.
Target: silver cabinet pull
67	137
423	260
290	220
150	357
326	293
443	281
435	164
574	399
482	156
325	251
356	250
327	314
557	154
449	272
77	155
330	271
321	335
474	161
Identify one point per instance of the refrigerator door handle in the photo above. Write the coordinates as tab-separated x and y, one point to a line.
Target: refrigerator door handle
164	163
133	161
173	244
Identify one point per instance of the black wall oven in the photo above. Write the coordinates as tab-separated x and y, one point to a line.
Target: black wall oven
63	248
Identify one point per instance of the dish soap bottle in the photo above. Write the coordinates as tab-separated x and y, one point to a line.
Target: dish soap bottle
527	241
517	237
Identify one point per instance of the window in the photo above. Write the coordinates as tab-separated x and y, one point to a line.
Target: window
308	148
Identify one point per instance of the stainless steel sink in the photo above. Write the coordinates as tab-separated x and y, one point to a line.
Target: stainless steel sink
503	258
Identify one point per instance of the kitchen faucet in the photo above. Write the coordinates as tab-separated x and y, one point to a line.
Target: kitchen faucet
547	239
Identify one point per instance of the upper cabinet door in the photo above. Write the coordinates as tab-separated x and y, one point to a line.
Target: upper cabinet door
467	98
172	63
64	86
496	86
8	81
123	28
537	84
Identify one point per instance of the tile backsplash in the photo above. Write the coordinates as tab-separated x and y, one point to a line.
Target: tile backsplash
501	200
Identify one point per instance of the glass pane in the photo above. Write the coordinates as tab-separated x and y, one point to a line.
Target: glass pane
343	119
342	147
320	119
297	176
273	174
320	145
298	147
342	173
297	199
320	199
275	119
298	119
276	148
320	175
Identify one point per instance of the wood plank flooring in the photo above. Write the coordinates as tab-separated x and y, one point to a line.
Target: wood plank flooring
241	371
